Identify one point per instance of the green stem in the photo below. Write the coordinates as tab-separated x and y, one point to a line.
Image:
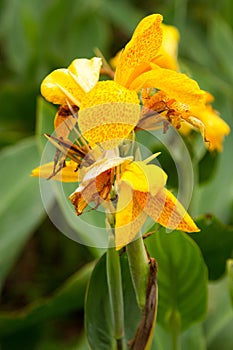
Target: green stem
115	294
139	269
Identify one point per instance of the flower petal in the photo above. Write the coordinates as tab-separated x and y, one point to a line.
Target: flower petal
59	86
144	177
142	48
167	54
129	217
108	112
100	166
176	85
165	209
71	84
67	174
86	72
215	128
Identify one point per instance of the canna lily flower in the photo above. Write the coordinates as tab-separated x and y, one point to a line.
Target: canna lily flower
132	186
140	197
143	67
110	109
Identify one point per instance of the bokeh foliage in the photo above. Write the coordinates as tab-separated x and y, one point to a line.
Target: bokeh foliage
42	288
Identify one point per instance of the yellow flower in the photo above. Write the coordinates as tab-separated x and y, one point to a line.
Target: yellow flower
110	110
136	72
177	97
141	196
138	190
148	65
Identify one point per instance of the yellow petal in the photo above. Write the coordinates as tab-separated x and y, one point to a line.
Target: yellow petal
59	86
165	209
129	217
144	177
176	85
215	128
142	48
86	72
72	83
108	112
167	54
165	60
67	174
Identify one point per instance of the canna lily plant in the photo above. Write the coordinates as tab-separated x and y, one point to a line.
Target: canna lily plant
145	88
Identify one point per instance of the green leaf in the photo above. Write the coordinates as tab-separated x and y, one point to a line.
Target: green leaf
98	312
21	209
230	277
67	298
182	279
221	38
216	243
192	339
207	167
218	324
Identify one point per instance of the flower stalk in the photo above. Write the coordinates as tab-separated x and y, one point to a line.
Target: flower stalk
139	269
114	282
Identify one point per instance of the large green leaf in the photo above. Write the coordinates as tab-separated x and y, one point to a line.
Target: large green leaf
21	209
67	298
216	243
192	339
182	279
98	312
218	325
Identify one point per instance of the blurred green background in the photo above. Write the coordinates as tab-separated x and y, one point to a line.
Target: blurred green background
36	37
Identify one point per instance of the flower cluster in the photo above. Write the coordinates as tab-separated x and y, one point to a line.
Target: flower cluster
146	87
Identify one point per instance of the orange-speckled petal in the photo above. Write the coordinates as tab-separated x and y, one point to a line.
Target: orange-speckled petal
142	48
108	112
165	209
176	85
129	217
67	174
